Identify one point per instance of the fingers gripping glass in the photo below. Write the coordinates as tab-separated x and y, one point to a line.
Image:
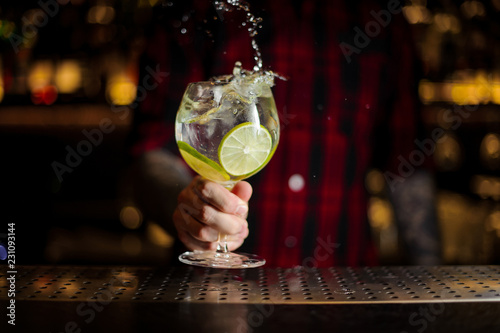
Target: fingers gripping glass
227	131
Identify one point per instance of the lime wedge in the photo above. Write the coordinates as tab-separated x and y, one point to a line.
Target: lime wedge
202	165
245	149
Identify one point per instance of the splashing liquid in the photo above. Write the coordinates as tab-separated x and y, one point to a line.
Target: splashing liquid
252	22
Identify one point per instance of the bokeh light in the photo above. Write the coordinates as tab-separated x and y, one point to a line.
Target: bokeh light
465	88
380	213
40	74
157	235
448	154
489	151
130	217
417	13
120	90
375	182
472	8
68	76
493	222
45	95
446	23
101	14
6	29
3	252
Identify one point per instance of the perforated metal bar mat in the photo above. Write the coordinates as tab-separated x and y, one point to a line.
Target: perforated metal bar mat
278	286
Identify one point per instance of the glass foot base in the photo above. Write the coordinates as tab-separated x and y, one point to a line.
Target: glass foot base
221	260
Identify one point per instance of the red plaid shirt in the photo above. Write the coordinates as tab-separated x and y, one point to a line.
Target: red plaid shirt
338	117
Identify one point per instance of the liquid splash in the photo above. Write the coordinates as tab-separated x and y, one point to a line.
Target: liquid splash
258	76
252	21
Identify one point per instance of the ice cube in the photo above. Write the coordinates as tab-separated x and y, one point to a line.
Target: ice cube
218	91
234	103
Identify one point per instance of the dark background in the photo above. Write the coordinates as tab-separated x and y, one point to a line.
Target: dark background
83	218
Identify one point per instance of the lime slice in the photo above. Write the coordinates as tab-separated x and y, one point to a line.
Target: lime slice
245	149
202	165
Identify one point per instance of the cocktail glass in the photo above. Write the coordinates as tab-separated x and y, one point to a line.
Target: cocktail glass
227	129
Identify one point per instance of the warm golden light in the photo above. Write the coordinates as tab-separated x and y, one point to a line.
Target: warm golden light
427	91
493	222
482	89
130	217
157	235
490	150
446	23
375	182
380	213
121	90
417	13
446	92
492	144
459	93
496	4
411	14
448	154
101	14
466	87
495	93
68	76
40	75
472	8
147	3
486	187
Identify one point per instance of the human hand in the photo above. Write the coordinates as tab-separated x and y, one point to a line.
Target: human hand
206	208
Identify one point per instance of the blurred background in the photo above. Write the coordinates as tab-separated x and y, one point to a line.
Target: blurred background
66	65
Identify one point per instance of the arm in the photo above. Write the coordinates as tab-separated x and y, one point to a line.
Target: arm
162	185
157	178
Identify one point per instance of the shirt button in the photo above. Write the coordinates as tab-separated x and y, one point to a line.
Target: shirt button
296	183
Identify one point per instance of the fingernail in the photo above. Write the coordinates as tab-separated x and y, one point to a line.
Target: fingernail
241	210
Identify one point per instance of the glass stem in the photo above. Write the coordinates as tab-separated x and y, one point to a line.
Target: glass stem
222	243
222	239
